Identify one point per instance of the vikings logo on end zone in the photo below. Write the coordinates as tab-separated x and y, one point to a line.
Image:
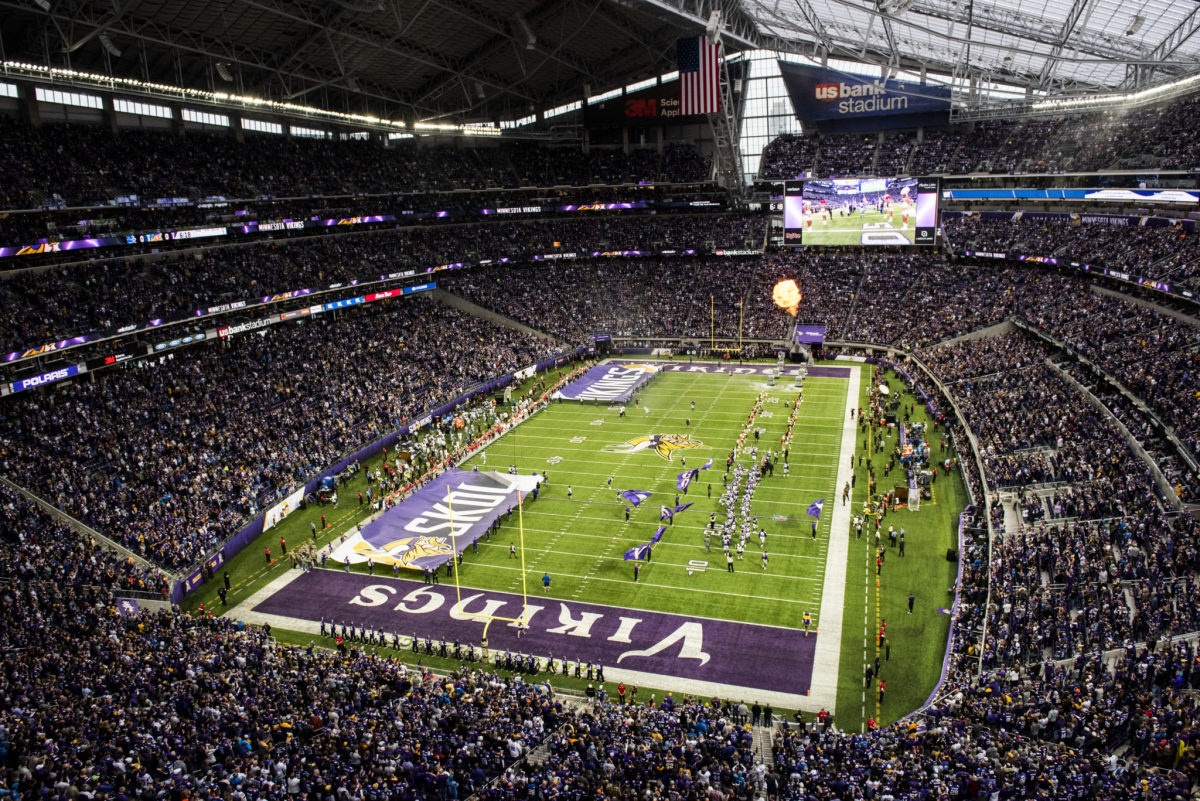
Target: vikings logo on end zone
662	444
405	551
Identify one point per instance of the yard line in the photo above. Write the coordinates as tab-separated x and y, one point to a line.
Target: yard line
625	581
485	544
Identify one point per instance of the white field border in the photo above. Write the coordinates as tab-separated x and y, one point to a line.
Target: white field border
826	657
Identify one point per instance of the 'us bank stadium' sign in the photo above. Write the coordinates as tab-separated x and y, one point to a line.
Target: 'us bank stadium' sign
836	101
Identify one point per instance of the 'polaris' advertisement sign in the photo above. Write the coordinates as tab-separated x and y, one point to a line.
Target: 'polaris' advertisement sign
835	101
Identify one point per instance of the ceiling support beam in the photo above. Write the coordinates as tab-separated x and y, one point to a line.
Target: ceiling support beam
406	50
1174	40
179	43
1075	17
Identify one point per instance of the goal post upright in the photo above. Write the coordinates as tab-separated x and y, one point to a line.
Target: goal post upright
489	619
521	537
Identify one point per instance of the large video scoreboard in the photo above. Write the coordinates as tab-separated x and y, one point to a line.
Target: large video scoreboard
861	211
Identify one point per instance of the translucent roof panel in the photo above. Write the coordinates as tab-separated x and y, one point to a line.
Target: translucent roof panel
1057	45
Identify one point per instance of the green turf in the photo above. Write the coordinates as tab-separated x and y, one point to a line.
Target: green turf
580	541
850	230
919	640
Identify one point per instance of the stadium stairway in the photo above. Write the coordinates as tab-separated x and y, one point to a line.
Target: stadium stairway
764	744
540	754
994	330
843	333
475	310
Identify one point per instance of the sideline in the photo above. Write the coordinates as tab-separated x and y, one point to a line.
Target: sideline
833	593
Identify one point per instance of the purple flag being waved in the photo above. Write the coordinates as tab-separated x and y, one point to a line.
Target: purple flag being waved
637	552
706	465
680	508
635	496
665	513
658	535
686	478
815	509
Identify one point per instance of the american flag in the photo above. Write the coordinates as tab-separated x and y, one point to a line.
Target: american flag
699	75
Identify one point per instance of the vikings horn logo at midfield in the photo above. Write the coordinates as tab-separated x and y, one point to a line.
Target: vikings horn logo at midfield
405	551
662	444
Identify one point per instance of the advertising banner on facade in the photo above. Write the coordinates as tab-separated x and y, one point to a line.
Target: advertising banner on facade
836	101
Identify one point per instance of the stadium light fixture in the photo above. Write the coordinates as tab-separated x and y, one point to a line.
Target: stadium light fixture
1144	96
714	24
1135	25
107	42
110	82
352	84
223	71
44	5
526	33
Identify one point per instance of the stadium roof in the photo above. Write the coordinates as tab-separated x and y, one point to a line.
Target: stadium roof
1052	45
434	60
495	60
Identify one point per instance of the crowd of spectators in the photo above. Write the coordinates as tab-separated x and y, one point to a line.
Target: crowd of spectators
35	548
1105	241
1164	137
1097	562
1152	438
788	157
846	155
26	228
167	456
74	165
69	301
690	297
1034	428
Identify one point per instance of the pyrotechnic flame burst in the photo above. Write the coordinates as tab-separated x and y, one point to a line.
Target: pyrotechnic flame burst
786	295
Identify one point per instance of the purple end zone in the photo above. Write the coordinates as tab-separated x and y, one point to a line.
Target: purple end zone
714	368
703	649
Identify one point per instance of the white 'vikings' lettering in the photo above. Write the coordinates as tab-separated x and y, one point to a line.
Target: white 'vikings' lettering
458	611
692	634
486	497
373	595
465	497
530	611
576	627
627	624
613	384
434	602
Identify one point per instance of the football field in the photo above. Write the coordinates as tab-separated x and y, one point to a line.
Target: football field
870	228
687	623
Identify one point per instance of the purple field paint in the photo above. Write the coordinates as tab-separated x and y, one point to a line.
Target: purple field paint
726	652
713	368
608	382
